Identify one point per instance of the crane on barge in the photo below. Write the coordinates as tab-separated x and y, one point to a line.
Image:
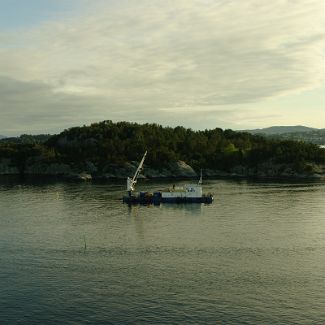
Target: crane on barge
130	182
189	193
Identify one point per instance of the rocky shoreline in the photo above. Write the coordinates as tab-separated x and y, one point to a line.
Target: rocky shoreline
175	170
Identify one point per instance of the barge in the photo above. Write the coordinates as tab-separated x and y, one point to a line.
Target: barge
189	193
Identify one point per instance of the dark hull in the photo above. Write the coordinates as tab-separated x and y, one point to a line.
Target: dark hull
158	200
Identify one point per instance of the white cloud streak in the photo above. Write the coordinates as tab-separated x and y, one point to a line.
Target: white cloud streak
128	59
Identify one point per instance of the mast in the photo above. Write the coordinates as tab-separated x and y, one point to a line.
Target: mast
200	180
130	183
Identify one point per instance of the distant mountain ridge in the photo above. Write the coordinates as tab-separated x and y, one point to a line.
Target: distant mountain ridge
273	130
2	136
26	138
297	133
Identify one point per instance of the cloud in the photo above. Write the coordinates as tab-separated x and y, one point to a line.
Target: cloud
128	59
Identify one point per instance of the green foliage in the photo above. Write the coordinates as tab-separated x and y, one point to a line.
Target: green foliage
20	154
116	143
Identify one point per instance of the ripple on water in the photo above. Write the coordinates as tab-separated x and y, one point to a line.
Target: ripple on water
72	253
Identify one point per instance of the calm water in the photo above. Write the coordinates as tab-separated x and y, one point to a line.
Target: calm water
255	256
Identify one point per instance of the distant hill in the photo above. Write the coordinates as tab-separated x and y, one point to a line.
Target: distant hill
281	130
26	139
297	133
2	136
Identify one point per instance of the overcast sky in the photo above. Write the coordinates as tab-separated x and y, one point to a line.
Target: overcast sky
199	63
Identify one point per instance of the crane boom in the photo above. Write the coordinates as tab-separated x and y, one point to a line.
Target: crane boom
133	181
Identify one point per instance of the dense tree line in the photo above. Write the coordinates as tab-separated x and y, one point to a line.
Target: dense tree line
116	143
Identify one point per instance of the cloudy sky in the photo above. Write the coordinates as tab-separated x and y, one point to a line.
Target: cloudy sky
199	63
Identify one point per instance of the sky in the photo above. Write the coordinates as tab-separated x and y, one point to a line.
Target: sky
237	64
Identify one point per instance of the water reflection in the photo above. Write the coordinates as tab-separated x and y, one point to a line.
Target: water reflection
194	208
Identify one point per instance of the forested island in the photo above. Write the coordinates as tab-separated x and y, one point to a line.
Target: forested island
107	150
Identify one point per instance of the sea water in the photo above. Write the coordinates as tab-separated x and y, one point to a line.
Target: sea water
74	254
